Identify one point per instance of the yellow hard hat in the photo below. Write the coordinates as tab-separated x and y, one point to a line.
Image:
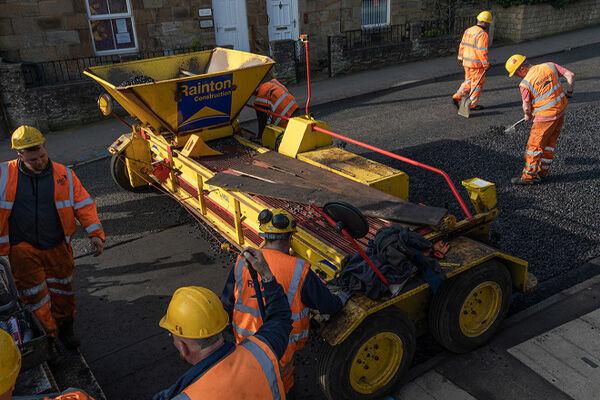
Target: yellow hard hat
485	16
10	362
275	222
195	312
513	63
25	137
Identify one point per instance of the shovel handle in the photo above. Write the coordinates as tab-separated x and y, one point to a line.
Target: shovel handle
477	84
510	128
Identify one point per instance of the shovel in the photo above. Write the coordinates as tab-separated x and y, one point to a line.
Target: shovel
464	109
513	127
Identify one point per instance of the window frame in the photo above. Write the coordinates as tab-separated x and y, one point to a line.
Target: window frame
100	17
388	16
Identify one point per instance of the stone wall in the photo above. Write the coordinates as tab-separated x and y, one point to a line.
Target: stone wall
344	60
525	22
258	26
284	52
170	24
46	30
51	107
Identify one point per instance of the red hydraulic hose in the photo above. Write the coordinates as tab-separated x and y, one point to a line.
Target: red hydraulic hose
455	193
304	39
356	246
461	202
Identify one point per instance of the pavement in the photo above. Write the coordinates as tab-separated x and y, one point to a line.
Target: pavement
86	143
550	351
155	247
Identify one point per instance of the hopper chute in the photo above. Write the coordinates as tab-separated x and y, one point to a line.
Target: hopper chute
187	92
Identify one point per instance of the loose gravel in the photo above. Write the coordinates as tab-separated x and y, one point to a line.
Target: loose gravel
136	80
555	225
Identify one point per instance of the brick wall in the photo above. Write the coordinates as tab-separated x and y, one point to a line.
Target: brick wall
46	30
525	22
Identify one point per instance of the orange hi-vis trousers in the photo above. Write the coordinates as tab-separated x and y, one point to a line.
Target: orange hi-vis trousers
472	76
44	279
540	148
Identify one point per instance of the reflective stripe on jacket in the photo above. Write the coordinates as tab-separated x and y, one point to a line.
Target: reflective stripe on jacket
274	96
290	272
548	97
473	49
72	202
250	372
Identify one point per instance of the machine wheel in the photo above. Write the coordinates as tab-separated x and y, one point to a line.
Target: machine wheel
371	360
120	174
469	308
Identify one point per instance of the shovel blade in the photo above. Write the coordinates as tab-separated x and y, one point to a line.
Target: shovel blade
464	108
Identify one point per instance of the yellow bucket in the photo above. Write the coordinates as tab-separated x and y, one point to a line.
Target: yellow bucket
187	92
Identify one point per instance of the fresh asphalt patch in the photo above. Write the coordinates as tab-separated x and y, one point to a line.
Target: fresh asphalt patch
555	225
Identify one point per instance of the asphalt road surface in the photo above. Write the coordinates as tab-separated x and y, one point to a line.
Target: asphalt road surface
155	247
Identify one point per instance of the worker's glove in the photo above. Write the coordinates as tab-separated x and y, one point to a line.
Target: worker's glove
569	94
97	245
255	258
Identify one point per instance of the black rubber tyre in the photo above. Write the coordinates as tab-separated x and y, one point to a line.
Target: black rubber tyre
120	174
445	325
334	369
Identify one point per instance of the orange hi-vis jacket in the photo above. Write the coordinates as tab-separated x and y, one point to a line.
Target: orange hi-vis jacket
250	372
274	96
473	49
290	272
71	198
542	81
71	395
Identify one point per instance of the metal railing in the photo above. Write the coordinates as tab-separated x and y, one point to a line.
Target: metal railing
71	70
376	36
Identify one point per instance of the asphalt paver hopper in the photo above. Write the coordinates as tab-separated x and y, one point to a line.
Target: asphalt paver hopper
185	93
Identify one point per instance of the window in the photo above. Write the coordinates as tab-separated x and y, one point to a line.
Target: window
375	13
111	26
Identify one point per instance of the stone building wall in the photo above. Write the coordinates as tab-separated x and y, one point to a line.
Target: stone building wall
46	30
258	26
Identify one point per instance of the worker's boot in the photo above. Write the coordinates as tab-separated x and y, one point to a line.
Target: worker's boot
456	102
66	334
525	182
478	107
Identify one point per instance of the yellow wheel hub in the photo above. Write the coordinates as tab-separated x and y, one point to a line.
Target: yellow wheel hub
480	309
376	362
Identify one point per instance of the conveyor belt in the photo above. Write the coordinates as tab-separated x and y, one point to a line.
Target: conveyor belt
236	154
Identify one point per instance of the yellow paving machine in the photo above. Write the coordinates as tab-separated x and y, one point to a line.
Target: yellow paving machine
187	141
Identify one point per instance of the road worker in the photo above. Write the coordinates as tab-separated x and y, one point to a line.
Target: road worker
544	100
222	370
10	366
304	289
275	97
473	55
40	203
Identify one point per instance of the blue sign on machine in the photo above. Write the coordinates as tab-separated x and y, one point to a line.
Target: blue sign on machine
204	102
